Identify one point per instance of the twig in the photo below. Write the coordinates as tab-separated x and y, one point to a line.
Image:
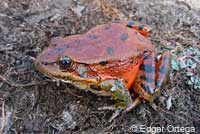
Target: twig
70	92
195	59
172	114
6	49
3	117
19	85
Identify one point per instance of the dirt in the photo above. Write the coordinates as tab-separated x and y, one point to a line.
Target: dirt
33	103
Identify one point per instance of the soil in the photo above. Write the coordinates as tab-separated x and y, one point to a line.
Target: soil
33	103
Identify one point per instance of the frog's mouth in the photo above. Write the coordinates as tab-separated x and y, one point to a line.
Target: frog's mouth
52	71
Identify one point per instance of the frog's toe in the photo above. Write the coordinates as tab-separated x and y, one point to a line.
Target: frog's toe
115	114
135	103
131	106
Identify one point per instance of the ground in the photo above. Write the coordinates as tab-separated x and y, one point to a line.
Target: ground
33	103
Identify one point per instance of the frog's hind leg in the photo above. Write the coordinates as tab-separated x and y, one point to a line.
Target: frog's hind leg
152	75
142	29
144	84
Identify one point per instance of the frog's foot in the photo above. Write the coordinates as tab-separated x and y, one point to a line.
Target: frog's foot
142	29
120	111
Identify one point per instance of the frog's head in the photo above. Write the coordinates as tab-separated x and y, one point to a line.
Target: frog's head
55	63
62	67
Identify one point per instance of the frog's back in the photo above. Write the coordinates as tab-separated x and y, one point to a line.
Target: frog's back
111	41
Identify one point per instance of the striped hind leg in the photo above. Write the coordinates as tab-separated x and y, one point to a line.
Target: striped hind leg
144	84
151	76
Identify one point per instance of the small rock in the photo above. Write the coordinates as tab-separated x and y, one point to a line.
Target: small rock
169	102
67	118
78	10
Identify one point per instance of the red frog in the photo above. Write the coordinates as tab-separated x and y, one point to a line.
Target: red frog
113	59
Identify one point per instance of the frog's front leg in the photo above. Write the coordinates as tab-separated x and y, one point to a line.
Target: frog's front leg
120	94
151	76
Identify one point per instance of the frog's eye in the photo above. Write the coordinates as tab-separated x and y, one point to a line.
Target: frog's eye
65	62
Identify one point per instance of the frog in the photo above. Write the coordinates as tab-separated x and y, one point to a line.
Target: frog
114	59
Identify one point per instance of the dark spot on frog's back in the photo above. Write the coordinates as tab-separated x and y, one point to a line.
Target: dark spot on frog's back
66	45
130	23
124	36
93	36
107	27
110	51
53	44
59	50
77	41
53	51
77	49
103	63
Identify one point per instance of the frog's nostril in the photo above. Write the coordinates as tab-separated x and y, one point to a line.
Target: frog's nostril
48	62
65	62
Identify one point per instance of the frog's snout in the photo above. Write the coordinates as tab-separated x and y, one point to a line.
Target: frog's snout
48	62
